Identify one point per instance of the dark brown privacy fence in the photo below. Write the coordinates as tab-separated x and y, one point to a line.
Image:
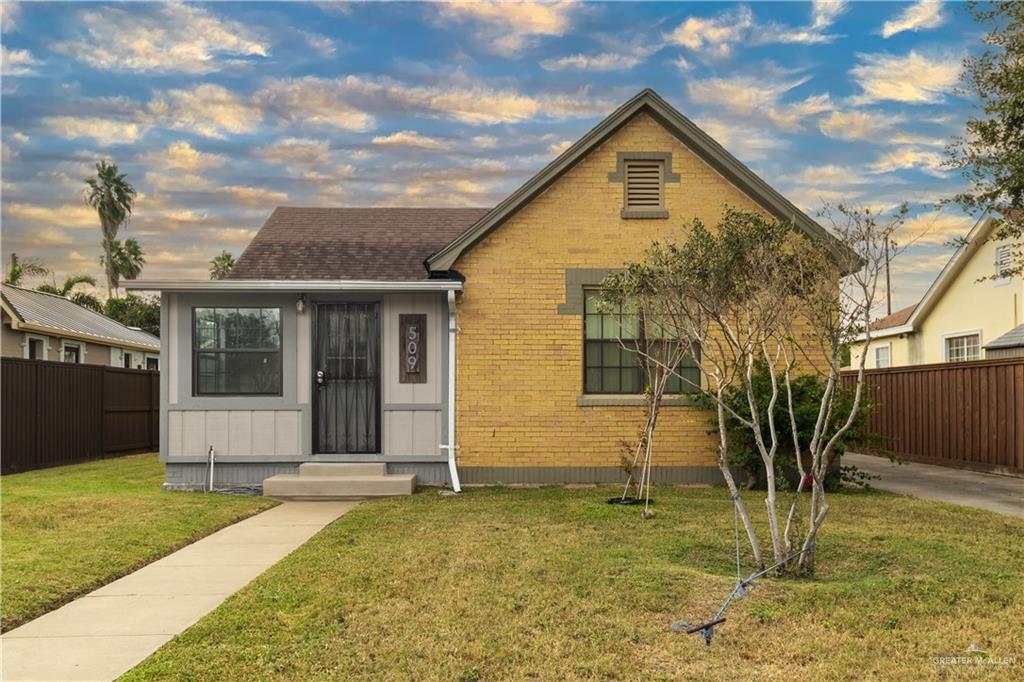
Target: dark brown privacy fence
965	414
59	413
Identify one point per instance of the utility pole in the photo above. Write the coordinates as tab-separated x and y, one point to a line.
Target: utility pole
888	282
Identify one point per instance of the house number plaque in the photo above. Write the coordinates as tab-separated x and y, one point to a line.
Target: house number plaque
412	347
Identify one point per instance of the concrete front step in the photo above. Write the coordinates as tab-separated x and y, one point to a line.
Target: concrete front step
306	487
343	469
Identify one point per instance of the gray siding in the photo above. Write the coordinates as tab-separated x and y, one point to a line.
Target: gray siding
194	475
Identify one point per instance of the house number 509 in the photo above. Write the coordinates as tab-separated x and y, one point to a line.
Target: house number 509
412	349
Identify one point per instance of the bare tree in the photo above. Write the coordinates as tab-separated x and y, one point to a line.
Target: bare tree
755	291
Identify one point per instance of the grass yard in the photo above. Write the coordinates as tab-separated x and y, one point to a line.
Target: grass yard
68	530
554	584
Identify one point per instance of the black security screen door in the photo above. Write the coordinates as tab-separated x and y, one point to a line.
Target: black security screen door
347	378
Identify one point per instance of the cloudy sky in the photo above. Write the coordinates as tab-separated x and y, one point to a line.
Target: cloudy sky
219	112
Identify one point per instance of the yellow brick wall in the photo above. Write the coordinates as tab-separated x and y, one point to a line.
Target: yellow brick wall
520	361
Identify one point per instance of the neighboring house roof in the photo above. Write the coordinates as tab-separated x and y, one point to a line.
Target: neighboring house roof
1011	339
385	244
51	314
895	319
975	239
646	101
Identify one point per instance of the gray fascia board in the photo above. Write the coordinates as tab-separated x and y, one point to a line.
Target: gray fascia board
731	168
290	285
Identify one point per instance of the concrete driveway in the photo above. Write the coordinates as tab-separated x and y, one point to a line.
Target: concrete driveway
991	492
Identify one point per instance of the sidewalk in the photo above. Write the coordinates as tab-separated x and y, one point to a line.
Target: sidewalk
991	492
107	632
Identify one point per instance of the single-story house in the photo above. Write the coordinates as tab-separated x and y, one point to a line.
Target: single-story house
41	326
1009	345
963	310
458	345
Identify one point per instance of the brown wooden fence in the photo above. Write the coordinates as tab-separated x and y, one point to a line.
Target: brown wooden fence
57	413
963	414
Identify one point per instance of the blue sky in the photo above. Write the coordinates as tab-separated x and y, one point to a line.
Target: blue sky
218	112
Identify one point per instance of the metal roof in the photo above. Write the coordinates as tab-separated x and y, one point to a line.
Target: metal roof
1011	339
60	314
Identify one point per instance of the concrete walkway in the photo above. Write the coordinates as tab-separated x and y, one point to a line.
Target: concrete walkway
991	492
108	632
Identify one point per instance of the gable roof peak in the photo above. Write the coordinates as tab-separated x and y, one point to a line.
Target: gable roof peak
686	131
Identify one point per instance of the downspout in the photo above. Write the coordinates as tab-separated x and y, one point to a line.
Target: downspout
451	447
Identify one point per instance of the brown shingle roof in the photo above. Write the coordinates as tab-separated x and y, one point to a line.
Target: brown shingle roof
895	320
385	244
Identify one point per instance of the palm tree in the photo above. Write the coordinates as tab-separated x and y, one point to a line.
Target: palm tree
220	266
128	259
67	290
113	197
24	268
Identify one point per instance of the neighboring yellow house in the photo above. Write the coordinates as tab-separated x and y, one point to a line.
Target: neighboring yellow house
961	313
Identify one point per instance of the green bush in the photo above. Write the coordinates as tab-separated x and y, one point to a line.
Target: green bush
808	390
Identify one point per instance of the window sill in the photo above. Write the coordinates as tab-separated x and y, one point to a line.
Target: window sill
636	214
630	400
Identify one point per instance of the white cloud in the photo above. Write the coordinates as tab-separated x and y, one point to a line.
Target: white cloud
859	125
830	175
10	13
604	61
559	147
315	101
927	161
182	156
17	62
508	28
327	101
759	97
294	150
105	131
409	138
921	15
255	196
716	35
175	38
746	142
934	228
320	44
66	216
233	235
208	110
485	141
914	78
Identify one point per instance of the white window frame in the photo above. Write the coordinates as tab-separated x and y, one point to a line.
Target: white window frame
28	342
954	335
64	343
887	347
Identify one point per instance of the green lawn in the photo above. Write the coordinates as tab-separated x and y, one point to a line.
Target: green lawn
68	530
554	584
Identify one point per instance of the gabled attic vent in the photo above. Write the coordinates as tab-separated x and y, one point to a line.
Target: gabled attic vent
645	182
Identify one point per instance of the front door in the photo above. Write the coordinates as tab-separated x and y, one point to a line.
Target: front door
347	378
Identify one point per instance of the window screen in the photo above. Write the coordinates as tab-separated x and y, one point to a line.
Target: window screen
236	351
609	367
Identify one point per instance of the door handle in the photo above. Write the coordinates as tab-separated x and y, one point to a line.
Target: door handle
321	376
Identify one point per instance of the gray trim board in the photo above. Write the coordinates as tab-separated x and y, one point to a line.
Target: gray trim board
694	475
617	400
687	132
619	174
413	407
638	214
194	476
299	459
576	279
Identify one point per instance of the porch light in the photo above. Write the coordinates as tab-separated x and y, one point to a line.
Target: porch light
300	304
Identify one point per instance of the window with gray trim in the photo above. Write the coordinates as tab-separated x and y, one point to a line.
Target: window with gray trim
236	351
611	368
